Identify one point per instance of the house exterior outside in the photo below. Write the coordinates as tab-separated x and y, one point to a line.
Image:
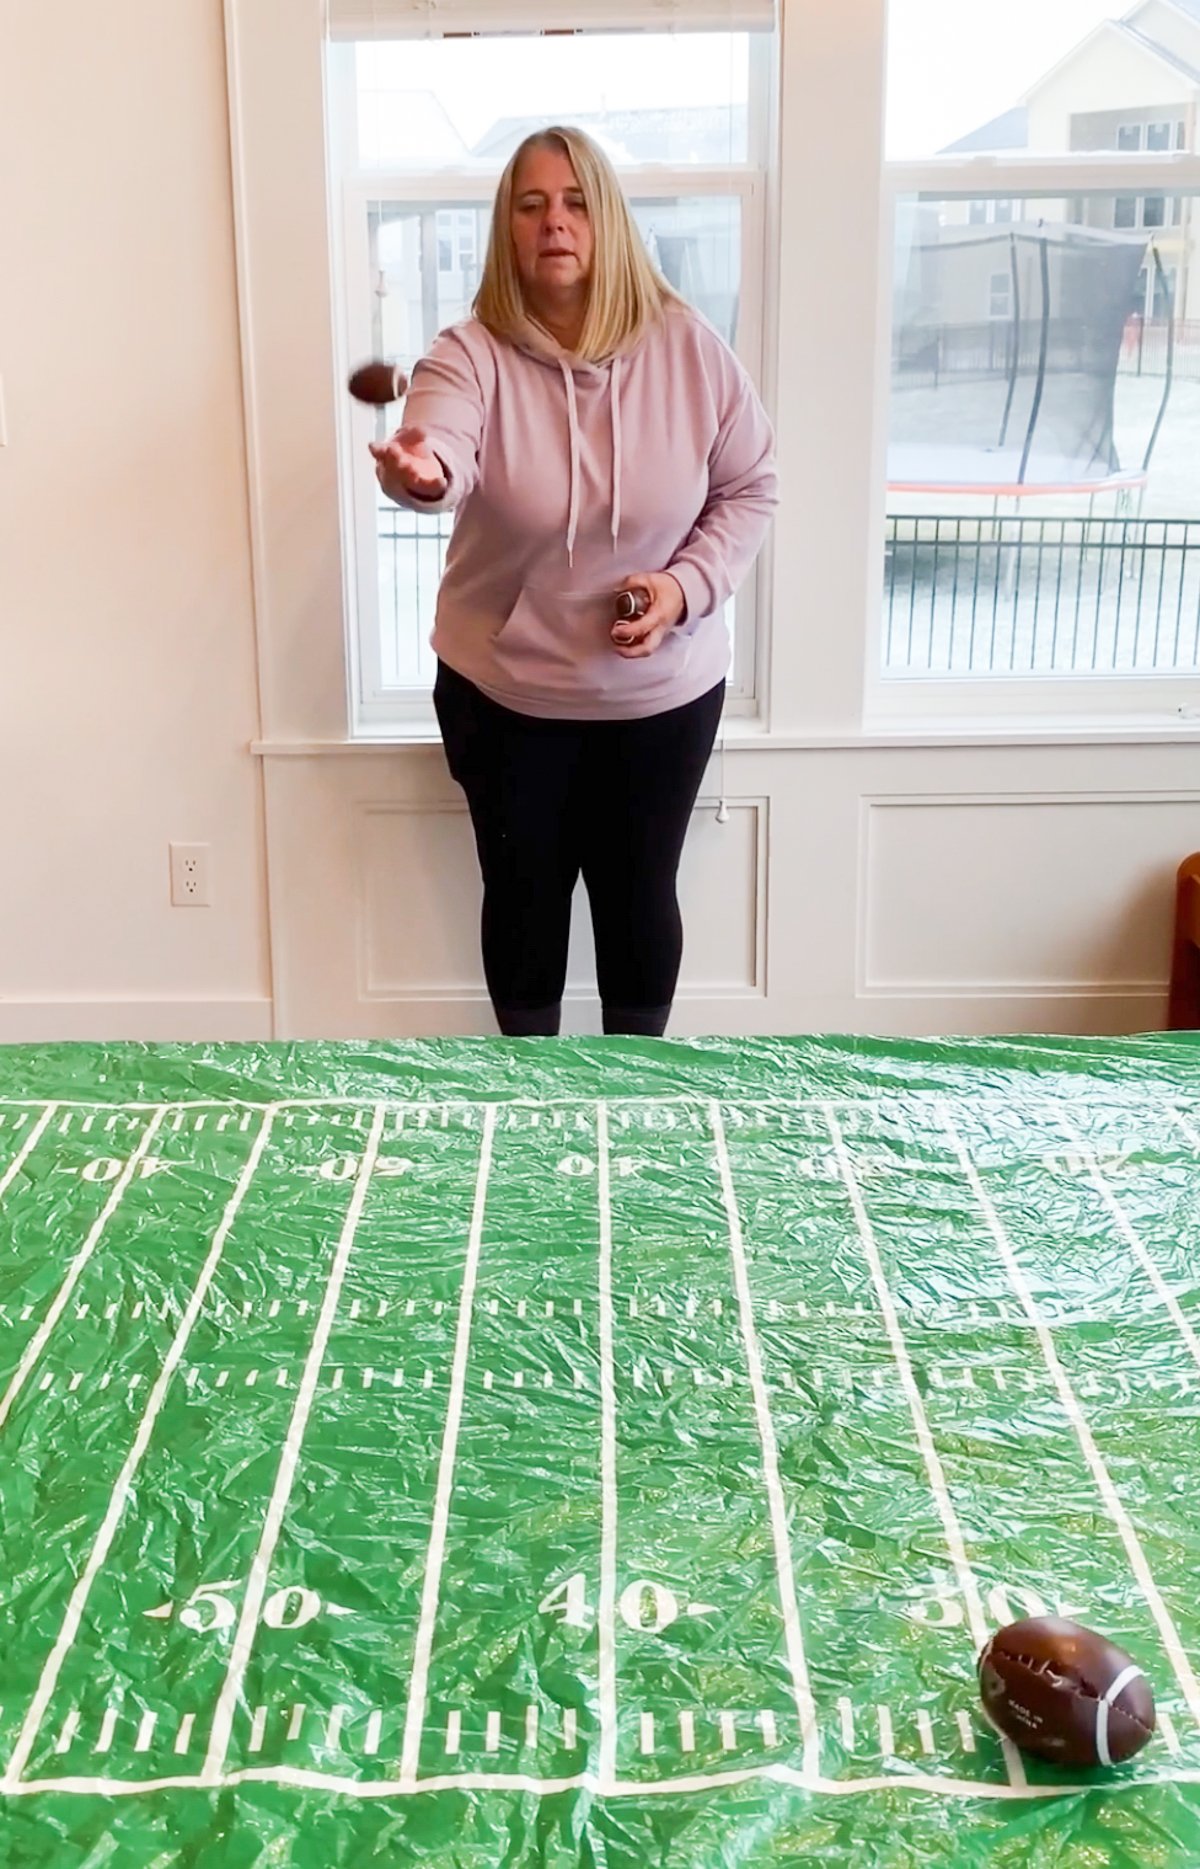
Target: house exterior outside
1133	84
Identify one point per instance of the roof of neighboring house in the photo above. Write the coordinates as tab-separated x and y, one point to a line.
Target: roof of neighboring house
1190	7
1008	131
1190	72
1011	129
1133	35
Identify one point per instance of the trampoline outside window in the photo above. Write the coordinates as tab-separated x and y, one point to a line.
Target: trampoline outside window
1042	531
1043	511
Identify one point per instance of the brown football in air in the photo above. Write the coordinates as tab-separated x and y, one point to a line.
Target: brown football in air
378	383
1066	1694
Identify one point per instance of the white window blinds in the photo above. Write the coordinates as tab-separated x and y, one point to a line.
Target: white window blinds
444	19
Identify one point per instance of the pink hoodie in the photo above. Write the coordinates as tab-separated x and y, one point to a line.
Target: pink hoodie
569	478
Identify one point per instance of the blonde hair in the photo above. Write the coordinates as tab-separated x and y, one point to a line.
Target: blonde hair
626	294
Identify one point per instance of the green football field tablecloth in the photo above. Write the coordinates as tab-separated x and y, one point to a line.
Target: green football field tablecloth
611	1454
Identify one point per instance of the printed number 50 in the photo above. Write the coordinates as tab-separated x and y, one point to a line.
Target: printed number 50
208	1610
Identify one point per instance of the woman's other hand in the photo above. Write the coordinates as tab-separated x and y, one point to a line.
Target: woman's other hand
640	636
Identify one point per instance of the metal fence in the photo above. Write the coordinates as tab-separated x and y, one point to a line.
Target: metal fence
1084	596
412	557
967	596
925	356
1148	348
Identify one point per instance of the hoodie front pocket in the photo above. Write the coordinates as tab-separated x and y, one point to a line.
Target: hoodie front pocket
548	636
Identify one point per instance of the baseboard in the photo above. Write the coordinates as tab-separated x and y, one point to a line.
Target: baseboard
149	1021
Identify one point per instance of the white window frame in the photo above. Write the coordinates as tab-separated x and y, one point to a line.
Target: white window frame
375	705
1070	700
375	708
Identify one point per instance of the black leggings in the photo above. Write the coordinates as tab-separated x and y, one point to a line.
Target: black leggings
551	800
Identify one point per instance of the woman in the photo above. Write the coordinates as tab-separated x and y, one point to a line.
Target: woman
584	423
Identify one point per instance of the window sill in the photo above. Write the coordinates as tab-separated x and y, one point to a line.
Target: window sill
750	736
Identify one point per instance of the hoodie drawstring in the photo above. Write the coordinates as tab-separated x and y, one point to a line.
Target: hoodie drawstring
573	433
573	429
615	393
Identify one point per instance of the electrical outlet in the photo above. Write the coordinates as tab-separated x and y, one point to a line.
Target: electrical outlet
189	876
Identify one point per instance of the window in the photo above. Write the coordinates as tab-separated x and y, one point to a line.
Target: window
896	588
988	213
422	138
1042	530
1162	301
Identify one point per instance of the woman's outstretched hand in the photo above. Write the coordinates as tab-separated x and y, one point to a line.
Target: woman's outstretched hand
407	464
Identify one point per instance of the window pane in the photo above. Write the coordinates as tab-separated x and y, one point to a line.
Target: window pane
671	98
1044	447
696	244
458	107
1045	76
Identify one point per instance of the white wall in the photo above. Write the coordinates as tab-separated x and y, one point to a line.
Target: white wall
870	887
127	699
914	889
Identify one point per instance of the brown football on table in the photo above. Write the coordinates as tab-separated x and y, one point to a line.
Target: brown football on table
1064	1693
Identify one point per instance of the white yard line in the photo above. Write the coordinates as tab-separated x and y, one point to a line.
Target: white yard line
979	1790
581	1101
793	1636
1137	1558
414	1721
31	1141
41	1336
256	1585
27	1737
955	1542
607	1608
1095	1175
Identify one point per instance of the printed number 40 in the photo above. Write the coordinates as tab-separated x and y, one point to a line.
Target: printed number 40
645	1606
